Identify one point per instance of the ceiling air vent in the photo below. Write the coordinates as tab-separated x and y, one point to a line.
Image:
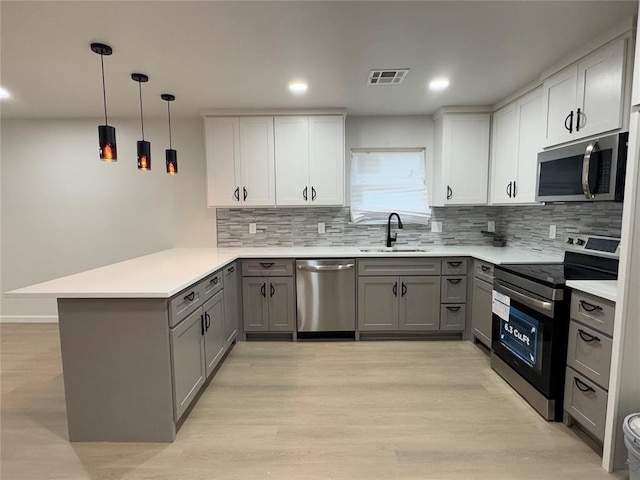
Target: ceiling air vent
387	77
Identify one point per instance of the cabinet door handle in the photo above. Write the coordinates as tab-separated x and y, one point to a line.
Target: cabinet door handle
578	120
455	264
236	194
449	193
244	193
404	289
271	290
583	387
395	289
313	194
455	281
587	337
207	321
589	307
515	189
570	120
266	264
509	189
263	290
304	193
453	309
485	268
202	324
190	297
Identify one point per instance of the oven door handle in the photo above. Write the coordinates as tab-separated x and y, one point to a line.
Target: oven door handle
525	299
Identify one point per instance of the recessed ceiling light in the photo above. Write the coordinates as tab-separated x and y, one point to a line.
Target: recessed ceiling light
4	94
298	87
438	84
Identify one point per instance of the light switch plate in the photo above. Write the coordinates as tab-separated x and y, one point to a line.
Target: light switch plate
252	228
436	227
321	227
552	231
491	226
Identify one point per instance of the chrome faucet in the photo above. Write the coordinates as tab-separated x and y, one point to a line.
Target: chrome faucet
391	239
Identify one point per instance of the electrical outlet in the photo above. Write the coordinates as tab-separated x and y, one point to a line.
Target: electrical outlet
436	227
552	231
252	228
321	227
491	226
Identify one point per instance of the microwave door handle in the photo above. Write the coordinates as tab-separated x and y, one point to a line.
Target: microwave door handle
592	147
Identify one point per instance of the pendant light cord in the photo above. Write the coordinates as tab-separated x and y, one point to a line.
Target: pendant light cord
169	114
141	116
104	90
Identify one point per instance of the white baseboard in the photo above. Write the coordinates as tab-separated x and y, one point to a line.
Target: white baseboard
28	319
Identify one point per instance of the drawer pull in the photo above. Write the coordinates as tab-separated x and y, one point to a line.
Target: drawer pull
583	387
589	307
214	280
587	337
455	264
190	297
266	264
455	281
485	268
453	309
231	270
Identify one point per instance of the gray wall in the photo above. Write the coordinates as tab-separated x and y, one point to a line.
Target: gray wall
65	211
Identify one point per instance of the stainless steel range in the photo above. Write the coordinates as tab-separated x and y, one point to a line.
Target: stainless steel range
531	318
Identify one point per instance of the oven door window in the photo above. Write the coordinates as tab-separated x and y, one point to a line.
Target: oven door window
522	335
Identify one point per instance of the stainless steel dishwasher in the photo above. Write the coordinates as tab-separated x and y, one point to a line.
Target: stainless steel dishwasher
326	295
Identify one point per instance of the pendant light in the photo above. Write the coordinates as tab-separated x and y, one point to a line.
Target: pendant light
144	147
106	133
171	155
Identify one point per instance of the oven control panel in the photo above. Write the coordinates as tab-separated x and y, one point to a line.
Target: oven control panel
594	245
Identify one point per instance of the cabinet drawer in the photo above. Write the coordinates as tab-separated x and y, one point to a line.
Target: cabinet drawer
593	312
272	267
454	266
453	317
184	303
211	285
399	266
589	353
454	289
483	270
585	402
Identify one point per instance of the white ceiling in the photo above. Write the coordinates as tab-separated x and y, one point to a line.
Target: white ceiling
243	54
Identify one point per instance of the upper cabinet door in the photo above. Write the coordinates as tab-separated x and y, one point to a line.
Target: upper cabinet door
600	91
530	128
292	166
326	160
559	98
257	161
465	154
504	155
223	165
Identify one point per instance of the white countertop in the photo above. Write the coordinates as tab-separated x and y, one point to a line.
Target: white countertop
607	289
165	273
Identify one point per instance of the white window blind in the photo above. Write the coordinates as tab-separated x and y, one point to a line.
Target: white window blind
385	181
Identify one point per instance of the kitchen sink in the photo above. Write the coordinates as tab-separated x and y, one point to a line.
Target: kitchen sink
392	250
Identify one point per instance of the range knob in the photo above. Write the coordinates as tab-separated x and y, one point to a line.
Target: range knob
570	241
579	242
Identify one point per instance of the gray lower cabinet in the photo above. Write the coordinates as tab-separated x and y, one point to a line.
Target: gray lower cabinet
231	303
481	315
188	355
268	304
454	289
453	318
214	339
399	303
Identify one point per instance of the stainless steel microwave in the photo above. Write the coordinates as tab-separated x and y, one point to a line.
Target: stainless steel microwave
588	171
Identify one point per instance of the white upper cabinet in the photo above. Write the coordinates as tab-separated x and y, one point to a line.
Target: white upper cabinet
240	161
309	160
586	98
461	167
517	139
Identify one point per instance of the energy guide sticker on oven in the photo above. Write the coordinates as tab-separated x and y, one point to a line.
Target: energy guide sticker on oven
500	305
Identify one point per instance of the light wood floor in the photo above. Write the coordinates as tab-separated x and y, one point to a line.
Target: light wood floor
326	410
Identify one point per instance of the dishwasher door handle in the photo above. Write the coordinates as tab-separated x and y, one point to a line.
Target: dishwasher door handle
326	268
